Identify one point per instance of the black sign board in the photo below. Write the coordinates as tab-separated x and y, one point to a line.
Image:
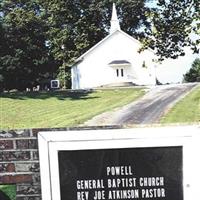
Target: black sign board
123	173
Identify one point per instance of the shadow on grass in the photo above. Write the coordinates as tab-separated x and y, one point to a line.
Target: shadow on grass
4	196
61	95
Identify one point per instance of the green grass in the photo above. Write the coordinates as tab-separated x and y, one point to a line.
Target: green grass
60	108
185	111
9	190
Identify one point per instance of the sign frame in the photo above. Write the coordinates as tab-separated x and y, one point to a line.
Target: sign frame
188	137
57	84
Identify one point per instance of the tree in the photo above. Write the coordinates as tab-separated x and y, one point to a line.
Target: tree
172	23
193	74
25	58
2	47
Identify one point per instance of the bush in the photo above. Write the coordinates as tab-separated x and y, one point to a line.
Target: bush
193	75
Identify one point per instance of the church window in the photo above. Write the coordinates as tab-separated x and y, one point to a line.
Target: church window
117	71
122	72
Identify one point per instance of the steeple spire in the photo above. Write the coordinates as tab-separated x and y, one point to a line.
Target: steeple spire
114	20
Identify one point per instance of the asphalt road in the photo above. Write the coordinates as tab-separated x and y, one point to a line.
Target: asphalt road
147	110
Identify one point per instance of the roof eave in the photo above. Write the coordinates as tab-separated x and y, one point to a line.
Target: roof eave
77	61
117	65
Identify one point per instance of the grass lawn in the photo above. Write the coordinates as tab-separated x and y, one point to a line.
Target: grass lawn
187	110
9	190
60	108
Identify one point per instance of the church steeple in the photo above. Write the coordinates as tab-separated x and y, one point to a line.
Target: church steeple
114	20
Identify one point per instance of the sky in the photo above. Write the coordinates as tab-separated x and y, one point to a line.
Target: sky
172	70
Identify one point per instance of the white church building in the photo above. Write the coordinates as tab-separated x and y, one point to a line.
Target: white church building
114	60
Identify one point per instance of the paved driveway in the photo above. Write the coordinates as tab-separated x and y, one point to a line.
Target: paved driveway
149	109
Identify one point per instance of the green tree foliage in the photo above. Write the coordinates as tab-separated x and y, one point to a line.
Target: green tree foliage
2	52
172	23
25	59
193	74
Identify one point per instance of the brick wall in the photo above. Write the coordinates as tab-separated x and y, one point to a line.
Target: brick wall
19	160
19	163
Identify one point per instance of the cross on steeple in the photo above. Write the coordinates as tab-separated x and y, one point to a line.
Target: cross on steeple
114	20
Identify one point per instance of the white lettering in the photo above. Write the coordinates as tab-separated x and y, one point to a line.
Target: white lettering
153	193
151	181
119	170
89	184
82	195
99	195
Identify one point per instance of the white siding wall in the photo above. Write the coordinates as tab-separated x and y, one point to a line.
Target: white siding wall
94	69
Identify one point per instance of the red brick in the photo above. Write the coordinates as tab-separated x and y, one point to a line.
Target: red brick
36	131
27	144
8	167
27	189
14	155
9	179
6	144
27	167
